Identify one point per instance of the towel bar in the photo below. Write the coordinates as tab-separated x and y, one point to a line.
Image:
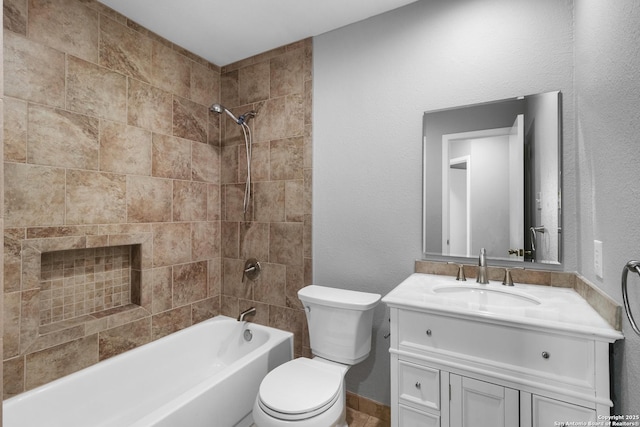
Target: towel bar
634	266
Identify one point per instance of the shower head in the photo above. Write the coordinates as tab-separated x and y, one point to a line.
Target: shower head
217	108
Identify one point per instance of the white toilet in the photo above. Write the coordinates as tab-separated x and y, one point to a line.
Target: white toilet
311	392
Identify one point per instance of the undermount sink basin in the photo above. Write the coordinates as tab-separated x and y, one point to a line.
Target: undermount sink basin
492	297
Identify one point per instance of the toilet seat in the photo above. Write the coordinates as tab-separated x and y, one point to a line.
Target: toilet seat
300	389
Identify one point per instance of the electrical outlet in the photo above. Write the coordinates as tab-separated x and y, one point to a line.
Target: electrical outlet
597	258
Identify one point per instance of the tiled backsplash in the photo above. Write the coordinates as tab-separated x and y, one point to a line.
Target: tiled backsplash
83	281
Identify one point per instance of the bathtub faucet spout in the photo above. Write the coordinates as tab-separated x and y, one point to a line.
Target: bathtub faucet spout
246	313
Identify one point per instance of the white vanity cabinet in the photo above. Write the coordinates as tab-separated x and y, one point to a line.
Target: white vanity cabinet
457	360
452	371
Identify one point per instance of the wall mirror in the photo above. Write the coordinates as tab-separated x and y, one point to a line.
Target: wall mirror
492	179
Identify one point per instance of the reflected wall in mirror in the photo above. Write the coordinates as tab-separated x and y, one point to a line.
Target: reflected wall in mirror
492	179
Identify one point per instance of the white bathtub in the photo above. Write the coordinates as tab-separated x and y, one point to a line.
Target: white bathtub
203	376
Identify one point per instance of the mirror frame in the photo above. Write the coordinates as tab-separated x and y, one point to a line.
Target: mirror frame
496	261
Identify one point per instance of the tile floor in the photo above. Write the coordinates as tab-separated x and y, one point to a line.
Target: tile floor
360	419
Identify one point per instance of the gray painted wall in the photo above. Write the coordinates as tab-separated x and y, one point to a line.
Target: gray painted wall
374	79
608	173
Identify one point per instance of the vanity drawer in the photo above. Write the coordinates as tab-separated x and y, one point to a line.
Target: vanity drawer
549	412
410	417
419	385
566	358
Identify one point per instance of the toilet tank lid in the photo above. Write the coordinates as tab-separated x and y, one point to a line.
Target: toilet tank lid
341	298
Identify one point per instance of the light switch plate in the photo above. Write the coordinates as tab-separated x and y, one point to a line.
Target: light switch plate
597	258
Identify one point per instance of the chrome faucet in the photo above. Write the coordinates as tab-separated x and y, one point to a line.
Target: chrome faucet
483	276
247	312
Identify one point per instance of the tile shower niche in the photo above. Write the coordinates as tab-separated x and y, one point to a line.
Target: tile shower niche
79	282
73	287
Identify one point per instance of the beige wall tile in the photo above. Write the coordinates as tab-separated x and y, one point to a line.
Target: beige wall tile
269	200
289	320
205	162
34	195
169	322
170	71
205	240
60	138
29	318
171	157
205	85
287	75
13	376
253	83
213	202
230	233
254	240
189	283
280	118
260	162
171	244
94	198
125	50
189	201
66	25
229	164
122	338
96	91
214	129
215	277
49	364
124	149
285	243
15	130
294	201
149	107
269	288
11	321
205	309
286	158
162	285
233	203
232	283
149	199
229	87
12	262
190	120
15	16
295	282
33	72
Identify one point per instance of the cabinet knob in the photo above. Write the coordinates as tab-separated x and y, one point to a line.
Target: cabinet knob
545	355
428	332
418	385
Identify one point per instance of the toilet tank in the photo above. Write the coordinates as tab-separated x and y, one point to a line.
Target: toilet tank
340	322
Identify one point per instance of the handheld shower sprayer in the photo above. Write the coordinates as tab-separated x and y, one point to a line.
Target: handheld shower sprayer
242	119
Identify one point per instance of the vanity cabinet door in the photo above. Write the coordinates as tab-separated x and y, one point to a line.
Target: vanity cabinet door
550	412
477	403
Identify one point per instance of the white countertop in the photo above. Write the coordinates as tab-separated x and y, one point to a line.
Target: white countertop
559	309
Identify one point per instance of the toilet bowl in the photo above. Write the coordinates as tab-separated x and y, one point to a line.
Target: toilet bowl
305	392
311	392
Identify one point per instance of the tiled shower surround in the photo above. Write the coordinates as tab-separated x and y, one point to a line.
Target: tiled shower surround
110	152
